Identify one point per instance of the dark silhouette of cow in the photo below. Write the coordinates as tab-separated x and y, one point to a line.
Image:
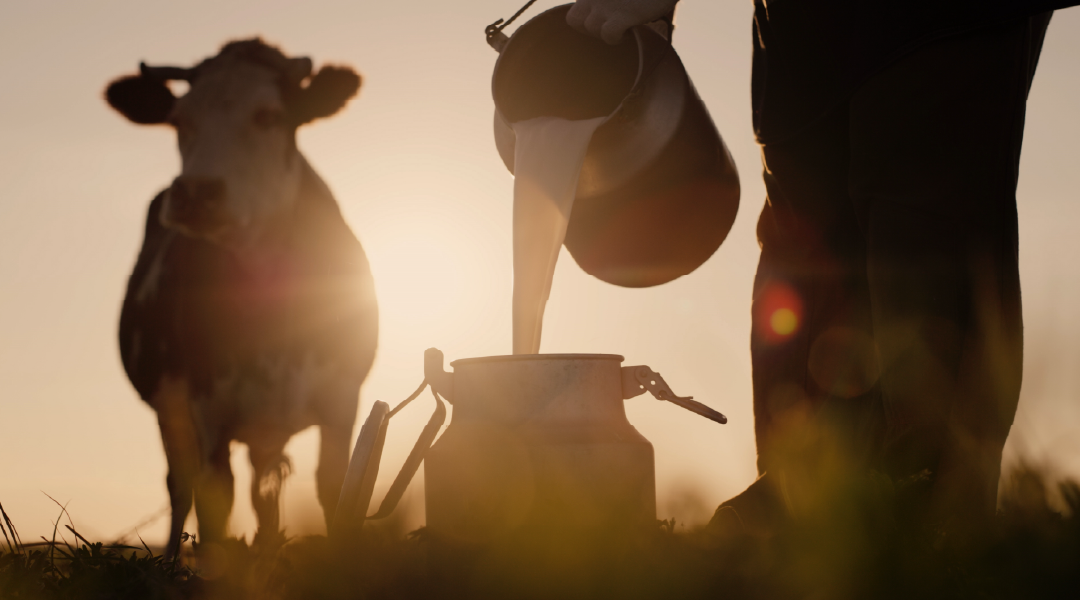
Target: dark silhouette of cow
251	313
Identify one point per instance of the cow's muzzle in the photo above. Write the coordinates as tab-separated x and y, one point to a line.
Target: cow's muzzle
196	205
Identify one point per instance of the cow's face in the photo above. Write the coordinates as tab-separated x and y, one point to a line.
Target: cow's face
240	167
235	128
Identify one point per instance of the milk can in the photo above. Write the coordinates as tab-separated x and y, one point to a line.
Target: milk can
537	442
658	191
539	447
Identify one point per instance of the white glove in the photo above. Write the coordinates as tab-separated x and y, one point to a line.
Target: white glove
609	19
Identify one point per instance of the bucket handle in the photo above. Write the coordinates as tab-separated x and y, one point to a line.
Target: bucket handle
665	26
356	490
639	379
495	37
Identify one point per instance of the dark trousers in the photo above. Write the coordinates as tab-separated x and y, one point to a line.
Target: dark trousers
887	328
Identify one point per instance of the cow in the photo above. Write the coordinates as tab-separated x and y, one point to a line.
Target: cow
250	314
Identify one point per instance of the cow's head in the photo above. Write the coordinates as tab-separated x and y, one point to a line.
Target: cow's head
236	129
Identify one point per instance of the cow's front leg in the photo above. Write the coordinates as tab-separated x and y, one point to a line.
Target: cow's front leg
270	467
336	415
179	437
334	441
214	494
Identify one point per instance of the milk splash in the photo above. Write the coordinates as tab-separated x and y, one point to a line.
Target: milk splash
548	154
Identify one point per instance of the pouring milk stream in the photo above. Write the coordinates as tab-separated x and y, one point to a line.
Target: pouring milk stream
547	159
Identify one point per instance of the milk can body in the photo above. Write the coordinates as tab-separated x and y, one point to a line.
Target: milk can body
538	446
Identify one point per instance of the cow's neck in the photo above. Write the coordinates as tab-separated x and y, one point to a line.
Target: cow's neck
290	234
272	275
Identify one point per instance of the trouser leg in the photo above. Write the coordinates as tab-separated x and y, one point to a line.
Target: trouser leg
815	369
890	234
935	147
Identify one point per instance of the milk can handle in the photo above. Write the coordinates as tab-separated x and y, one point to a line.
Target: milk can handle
360	477
356	490
412	463
639	379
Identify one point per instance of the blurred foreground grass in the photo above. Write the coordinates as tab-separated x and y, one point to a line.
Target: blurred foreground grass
864	550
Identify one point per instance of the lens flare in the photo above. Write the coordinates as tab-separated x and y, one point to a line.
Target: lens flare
783	321
778	312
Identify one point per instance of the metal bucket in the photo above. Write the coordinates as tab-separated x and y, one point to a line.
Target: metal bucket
537	443
539	448
658	190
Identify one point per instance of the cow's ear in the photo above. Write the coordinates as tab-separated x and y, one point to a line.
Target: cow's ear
325	94
141	99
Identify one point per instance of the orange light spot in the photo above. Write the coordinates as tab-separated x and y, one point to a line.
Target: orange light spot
784	321
778	312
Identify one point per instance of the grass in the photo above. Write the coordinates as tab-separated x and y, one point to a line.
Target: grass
51	569
1031	550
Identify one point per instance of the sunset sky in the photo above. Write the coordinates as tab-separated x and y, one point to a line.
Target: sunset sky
413	165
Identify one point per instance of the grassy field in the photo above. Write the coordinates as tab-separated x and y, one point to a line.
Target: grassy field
863	550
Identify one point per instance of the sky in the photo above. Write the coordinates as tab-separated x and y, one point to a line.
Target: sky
413	165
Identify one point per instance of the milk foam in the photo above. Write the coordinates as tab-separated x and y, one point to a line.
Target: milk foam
548	154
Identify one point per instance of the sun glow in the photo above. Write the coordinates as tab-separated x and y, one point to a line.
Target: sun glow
435	285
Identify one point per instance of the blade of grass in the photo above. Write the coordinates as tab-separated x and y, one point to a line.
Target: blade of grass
63	554
3	529
72	530
45	542
52	547
148	552
63	506
6	539
14	534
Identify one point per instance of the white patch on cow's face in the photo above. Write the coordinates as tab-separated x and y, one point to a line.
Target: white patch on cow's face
240	167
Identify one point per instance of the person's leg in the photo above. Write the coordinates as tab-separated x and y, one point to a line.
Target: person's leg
816	408
935	146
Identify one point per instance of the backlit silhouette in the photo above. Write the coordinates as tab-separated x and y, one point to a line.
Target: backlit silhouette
250	314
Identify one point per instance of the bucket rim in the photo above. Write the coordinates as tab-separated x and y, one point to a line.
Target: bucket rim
536	357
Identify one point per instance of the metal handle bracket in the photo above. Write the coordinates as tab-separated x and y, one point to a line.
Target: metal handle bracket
441	381
637	380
